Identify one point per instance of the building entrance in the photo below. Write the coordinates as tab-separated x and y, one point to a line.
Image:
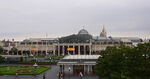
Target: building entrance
78	68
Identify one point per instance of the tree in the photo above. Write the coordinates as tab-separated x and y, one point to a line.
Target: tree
14	50
124	62
1	58
1	49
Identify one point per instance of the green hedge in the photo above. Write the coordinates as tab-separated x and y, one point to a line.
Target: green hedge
32	62
57	57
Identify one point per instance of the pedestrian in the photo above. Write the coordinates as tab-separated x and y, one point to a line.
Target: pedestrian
44	76
58	75
16	74
81	75
61	76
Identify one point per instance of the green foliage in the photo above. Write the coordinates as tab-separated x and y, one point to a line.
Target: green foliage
22	70
1	58
124	62
57	57
14	50
21	59
1	49
40	63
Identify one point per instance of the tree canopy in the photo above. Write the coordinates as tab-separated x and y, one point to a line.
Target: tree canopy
14	50
1	49
124	62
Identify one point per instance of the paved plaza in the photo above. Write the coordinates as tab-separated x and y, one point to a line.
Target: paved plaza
50	74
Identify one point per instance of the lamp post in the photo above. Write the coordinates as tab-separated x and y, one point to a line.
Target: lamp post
35	66
5	59
69	71
50	59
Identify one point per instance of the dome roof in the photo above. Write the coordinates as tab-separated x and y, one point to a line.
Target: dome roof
83	31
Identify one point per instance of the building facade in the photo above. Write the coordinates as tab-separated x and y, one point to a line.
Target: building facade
83	44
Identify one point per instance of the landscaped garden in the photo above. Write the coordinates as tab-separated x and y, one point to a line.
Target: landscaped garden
40	63
22	70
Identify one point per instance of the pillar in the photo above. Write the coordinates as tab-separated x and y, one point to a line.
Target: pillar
88	69
67	50
22	52
90	49
78	49
54	50
74	50
84	50
58	50
63	50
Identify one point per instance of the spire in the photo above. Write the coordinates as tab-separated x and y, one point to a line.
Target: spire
103	29
103	33
46	35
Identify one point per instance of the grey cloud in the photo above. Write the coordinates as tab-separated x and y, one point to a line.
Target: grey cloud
64	17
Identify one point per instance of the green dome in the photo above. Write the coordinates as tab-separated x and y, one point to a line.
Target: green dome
83	31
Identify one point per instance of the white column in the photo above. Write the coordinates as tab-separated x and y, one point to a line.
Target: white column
84	50
22	52
67	50
63	50
90	49
30	52
78	49
88	69
74	50
54	48
58	50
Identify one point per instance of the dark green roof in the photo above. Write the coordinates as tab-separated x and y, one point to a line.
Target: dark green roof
84	38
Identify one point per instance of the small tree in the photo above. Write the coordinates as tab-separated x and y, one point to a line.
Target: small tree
1	49
1	58
14	50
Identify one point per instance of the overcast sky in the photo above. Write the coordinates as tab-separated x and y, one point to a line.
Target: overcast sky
22	19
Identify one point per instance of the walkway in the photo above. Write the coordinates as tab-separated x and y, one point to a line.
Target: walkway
50	74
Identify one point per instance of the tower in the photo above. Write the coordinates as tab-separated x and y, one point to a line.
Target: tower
103	33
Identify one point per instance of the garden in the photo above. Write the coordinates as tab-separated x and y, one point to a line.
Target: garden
22	70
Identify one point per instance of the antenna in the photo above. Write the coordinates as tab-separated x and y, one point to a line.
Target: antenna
83	27
46	35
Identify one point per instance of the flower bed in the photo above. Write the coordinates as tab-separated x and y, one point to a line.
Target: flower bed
21	70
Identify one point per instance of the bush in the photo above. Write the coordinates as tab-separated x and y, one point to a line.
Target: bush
33	62
1	59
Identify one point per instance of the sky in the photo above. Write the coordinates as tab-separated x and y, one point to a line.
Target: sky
23	19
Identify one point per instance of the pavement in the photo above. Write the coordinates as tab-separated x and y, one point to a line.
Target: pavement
49	74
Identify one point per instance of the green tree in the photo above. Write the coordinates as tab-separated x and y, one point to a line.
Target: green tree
1	49
124	62
1	58
14	50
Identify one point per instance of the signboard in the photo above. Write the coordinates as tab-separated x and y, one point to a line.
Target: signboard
70	49
34	49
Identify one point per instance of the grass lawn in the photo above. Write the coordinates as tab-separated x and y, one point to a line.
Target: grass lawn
21	70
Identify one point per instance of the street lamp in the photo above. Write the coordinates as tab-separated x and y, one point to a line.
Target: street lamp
50	59
35	66
69	71
5	59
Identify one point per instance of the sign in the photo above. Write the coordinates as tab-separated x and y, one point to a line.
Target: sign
70	49
34	49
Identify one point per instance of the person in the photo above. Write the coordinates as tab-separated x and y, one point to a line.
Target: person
81	75
58	75
16	74
61	76
44	76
